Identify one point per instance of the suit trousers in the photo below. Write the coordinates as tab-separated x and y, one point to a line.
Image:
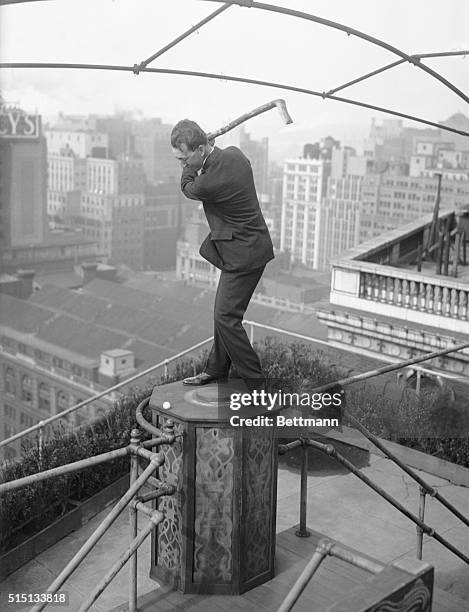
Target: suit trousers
231	344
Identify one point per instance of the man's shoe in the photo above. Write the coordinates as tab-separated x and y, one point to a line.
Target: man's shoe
201	379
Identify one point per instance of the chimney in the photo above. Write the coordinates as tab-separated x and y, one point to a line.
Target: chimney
26	282
89	271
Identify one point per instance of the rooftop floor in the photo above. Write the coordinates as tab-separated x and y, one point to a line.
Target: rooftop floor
339	506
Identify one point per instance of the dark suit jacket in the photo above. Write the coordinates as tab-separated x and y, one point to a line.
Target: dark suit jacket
239	239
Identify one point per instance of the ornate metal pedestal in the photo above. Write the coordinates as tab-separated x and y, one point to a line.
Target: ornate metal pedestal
219	532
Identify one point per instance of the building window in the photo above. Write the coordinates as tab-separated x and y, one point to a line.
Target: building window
44	397
10	381
8	431
10	412
27	388
62	401
26	420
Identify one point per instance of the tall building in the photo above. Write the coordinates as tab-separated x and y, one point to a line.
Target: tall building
444	158
25	238
392	200
257	151
115	222
191	266
23	179
339	218
304	185
153	145
82	143
161	226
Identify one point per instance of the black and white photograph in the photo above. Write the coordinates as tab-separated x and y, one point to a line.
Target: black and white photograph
234	306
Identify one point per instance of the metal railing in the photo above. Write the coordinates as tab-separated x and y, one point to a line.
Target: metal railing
424	489
252	326
137	504
326	548
130	499
42	424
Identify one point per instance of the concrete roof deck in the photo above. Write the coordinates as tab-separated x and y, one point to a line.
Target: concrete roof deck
339	506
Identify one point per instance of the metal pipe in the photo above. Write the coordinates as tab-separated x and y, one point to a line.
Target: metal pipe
390	368
162	439
350	31
374	567
143	508
225	77
344	348
128	554
302	532
327	547
141	420
365	76
100	531
103	393
423	494
166	489
63	469
284	448
133	521
441	54
177	40
429	489
41	442
330	450
302	582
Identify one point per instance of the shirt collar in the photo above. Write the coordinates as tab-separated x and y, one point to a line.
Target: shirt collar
210	157
213	148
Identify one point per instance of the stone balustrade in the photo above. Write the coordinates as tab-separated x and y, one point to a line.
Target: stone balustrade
420	294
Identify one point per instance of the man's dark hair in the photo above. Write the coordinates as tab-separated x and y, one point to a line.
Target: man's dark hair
189	133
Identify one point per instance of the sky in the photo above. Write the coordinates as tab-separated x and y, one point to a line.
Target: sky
241	41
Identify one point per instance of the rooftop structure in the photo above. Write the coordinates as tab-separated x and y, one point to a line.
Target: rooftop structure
405	293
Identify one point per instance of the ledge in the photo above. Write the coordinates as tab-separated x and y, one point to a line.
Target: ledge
456	474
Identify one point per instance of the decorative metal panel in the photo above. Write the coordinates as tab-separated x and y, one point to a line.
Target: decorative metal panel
417	599
213	558
257	503
169	551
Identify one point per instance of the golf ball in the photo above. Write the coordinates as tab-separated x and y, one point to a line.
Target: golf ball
166	405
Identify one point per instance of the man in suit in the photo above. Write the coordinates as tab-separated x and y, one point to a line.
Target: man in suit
239	244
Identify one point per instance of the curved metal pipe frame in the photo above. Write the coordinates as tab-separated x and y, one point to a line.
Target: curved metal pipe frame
413	59
236	79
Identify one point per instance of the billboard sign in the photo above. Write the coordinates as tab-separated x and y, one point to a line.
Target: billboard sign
15	123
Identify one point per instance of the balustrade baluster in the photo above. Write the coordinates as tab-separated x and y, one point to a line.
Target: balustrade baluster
375	287
423	296
446	302
413	295
437	300
382	288
389	289
397	291
463	299
405	293
430	294
368	286
454	304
